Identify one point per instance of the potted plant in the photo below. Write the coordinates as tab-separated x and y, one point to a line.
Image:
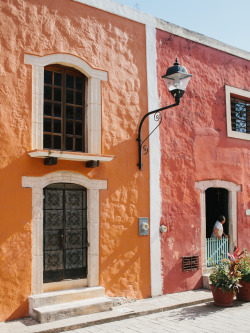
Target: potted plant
225	279
244	268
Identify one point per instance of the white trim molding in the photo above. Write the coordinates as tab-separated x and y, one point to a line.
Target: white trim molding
121	10
93	187
155	167
93	96
232	210
239	93
147	19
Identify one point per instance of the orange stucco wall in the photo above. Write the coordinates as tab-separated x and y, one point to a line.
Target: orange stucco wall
105	42
195	147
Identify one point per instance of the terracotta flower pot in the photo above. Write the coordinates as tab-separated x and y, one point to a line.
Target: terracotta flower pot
244	292
222	298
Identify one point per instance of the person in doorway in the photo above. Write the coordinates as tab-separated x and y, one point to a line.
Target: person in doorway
218	228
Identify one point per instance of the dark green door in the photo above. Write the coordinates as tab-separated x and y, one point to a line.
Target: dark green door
65	232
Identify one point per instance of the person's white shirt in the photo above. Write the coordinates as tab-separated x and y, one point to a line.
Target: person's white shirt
218	226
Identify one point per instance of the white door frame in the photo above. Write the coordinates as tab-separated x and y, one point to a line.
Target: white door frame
93	187
232	211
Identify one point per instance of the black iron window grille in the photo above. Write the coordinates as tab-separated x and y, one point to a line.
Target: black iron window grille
64	109
240	115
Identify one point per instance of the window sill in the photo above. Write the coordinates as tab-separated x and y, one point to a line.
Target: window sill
238	135
70	156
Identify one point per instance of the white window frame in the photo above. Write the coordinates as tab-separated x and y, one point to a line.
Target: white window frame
94	78
239	93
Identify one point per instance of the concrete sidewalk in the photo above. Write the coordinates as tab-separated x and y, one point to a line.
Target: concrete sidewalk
127	310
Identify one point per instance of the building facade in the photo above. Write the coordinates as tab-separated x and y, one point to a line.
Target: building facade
203	165
78	76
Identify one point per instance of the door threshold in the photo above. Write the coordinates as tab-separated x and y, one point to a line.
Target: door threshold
64	285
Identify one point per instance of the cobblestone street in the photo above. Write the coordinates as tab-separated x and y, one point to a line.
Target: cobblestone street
199	318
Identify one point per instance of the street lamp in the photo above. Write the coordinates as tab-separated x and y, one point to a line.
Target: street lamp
176	79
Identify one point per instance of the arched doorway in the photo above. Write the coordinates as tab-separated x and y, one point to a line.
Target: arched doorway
232	189
93	187
216	205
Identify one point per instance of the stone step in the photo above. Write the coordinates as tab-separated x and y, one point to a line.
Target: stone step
64	296
60	311
206	281
207	270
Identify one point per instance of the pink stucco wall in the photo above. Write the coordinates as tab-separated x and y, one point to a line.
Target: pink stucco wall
195	147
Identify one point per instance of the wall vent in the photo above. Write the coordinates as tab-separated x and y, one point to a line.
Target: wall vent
190	263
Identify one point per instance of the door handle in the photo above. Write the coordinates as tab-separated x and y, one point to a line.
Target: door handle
61	235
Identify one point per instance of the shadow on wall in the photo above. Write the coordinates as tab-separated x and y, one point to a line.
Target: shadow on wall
15	272
177	281
21	311
124	259
15	241
123	265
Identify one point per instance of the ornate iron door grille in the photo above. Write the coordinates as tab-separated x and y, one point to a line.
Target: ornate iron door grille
65	232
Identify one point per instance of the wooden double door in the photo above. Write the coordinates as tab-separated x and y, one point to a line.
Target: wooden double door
65	232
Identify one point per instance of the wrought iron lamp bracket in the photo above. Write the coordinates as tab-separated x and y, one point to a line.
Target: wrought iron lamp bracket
143	149
157	117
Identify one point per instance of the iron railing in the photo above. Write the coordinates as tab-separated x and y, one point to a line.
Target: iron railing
217	250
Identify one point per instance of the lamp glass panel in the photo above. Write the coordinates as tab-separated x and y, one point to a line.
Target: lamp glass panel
177	82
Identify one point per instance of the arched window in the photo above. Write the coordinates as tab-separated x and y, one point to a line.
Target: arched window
52	94
64	109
